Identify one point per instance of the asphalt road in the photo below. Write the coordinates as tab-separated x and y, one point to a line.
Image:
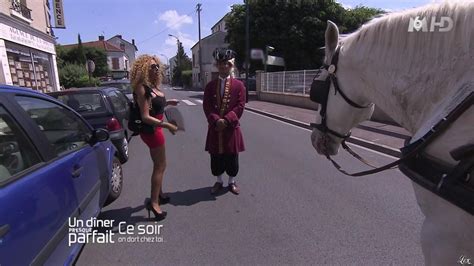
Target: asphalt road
294	207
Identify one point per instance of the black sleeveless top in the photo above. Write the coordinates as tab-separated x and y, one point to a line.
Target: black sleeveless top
158	103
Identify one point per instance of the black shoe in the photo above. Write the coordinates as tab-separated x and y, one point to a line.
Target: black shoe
234	188
216	188
164	199
158	215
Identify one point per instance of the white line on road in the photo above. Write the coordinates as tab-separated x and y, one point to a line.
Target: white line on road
376	152
188	102
199	101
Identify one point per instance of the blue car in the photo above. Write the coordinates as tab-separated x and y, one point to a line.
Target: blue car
53	166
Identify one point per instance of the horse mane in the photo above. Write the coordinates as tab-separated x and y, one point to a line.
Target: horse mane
415	65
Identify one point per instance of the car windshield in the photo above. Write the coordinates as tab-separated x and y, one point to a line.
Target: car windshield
84	102
125	88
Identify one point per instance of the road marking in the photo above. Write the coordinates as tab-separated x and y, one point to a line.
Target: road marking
376	152
188	102
358	146
199	101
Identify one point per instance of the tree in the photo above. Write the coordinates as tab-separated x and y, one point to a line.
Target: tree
81	55
100	59
294	28
183	63
71	56
73	75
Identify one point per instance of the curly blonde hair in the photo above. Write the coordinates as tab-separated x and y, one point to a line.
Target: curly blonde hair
140	74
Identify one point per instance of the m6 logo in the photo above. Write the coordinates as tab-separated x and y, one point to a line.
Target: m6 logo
443	25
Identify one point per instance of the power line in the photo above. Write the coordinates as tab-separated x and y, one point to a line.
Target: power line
167	28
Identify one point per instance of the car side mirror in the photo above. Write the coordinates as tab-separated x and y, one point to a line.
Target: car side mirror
99	135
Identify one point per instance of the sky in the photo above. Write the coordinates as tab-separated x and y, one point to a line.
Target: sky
150	21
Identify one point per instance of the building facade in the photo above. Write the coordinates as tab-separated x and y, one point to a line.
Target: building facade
27	45
129	47
208	45
220	25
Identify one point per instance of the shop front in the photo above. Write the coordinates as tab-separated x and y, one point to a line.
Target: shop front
28	58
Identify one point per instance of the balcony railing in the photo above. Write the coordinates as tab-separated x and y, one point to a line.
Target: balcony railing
18	7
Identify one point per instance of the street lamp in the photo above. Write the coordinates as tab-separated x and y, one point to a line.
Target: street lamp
169	67
178	42
268	49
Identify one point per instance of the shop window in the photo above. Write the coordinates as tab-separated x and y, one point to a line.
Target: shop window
30	68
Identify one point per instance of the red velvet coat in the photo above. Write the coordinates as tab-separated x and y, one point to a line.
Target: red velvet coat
230	140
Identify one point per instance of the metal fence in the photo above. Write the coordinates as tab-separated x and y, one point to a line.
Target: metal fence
295	82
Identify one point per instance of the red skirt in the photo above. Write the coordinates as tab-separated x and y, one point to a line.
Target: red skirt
156	139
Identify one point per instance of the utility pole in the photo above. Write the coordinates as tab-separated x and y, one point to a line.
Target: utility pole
198	9
247	49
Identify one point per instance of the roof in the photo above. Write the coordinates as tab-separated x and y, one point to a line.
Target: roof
108	47
119	36
220	20
85	90
115	81
209	36
10	89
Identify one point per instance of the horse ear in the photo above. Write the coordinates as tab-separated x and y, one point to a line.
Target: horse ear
332	38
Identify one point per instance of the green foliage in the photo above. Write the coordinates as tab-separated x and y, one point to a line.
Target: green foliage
73	75
72	56
183	63
99	57
294	28
81	55
187	78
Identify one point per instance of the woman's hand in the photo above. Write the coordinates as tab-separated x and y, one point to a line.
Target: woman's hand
172	102
172	128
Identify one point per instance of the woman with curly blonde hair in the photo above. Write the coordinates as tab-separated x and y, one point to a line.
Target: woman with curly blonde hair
146	79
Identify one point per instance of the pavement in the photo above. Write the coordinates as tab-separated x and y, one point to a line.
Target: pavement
294	207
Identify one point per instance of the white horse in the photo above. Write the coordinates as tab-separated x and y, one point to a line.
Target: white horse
411	76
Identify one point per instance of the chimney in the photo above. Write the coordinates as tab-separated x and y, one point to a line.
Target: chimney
101	37
120	36
133	41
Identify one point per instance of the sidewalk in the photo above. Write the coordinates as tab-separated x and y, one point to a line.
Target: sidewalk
373	135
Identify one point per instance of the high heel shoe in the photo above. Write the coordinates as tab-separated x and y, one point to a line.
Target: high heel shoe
164	200
158	215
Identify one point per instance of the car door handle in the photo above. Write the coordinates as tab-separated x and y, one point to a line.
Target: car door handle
77	172
4	230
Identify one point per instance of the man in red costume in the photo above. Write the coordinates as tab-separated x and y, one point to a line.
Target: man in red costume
224	102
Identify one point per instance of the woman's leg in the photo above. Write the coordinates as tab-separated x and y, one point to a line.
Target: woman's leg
158	156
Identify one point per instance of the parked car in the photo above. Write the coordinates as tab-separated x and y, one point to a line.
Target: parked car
123	85
53	166
252	86
102	107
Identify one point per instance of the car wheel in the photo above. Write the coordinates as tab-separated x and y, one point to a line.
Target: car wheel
124	150
116	181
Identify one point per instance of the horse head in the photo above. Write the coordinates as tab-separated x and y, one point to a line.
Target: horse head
337	88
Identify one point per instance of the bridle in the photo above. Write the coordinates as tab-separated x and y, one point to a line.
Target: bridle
320	87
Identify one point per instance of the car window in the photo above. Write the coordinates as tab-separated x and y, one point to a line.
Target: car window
64	130
17	153
84	102
122	87
118	102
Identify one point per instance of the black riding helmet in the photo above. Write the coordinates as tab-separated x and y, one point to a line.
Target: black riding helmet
223	54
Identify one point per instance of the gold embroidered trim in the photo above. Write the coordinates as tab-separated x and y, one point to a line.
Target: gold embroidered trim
223	104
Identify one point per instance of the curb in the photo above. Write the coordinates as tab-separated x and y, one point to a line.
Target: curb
354	140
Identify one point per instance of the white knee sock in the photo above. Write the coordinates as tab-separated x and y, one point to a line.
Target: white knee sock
231	180
219	179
